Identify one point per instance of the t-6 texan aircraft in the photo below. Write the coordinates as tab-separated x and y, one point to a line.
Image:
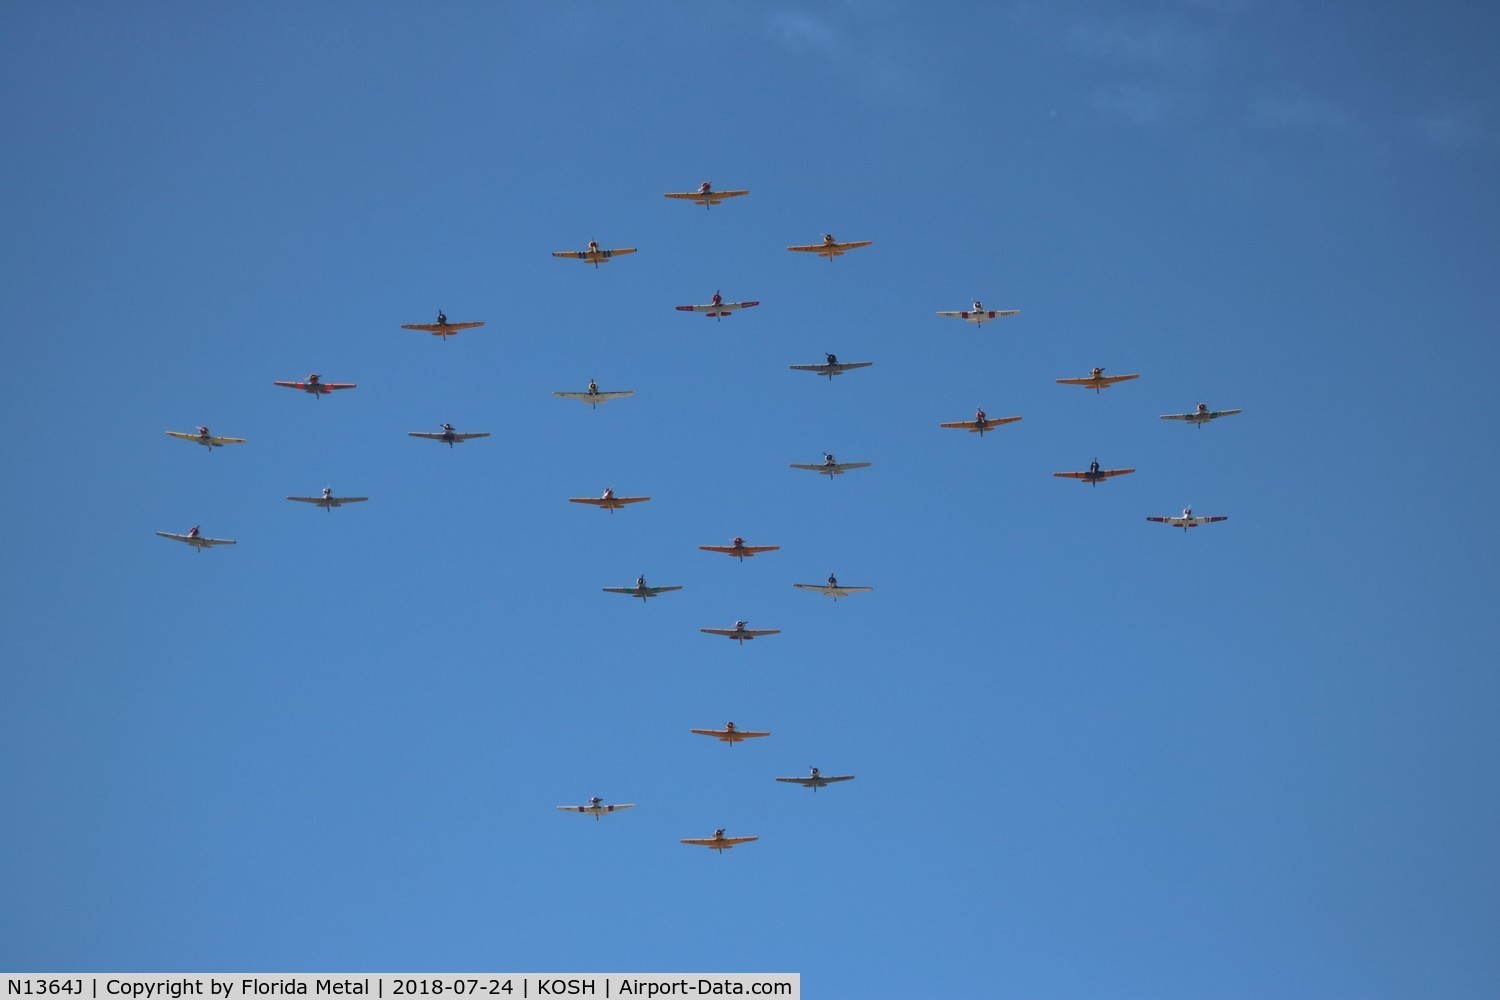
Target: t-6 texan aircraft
830	247
1097	380
442	328
593	255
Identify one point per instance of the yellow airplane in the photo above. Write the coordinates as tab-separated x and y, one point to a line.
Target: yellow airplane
593	254
1097	380
718	842
206	439
442	328
705	195
729	734
830	247
981	423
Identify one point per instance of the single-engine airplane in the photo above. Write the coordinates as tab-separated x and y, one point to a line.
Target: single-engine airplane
593	396
729	734
705	195
1097	380
717	307
593	255
831	467
442	328
328	501
981	423
818	780
450	436
608	501
979	314
641	589
739	549
1095	475
197	541
833	366
832	588
740	633
718	842
1200	416
317	386
1187	519
830	247
597	808
206	439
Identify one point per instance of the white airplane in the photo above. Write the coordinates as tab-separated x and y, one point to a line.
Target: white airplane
831	467
197	541
717	307
1201	415
593	396
830	247
833	366
1097	380
979	314
442	328
328	501
449	435
608	501
1187	520
597	808
981	423
206	439
640	589
718	842
729	734
818	780
705	195
740	633
832	588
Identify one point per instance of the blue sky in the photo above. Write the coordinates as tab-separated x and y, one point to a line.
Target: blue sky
1094	757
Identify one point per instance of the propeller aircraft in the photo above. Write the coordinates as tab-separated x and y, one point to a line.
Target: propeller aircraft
718	308
608	501
830	247
596	808
328	501
593	255
206	439
729	734
739	549
197	541
442	328
450	436
705	195
1097	380
641	589
1201	415
831	467
832	588
979	314
981	423
316	386
593	396
718	842
1185	521
1095	475
833	366
740	633
817	779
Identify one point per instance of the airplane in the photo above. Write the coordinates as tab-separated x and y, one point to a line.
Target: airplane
449	435
608	501
739	549
1186	521
979	314
832	588
718	842
593	396
328	501
830	467
206	439
740	633
830	247
1201	415
1097	380
640	589
981	423
705	195
833	366
317	386
596	808
1095	475
817	780
717	307
442	328
197	541
729	734
593	255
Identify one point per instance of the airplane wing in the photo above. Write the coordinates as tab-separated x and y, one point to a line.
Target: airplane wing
600	502
827	591
838	369
722	843
989	425
595	256
751	550
663	590
200	438
751	633
231	541
349	499
594	397
1109	473
424	434
748	550
440	329
292	385
804	782
728	736
338	385
710	631
1158	520
713	197
620	590
307	499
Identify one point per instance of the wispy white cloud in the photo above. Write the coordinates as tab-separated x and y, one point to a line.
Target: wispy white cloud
800	32
1453	129
1298	111
1135	104
1138	39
